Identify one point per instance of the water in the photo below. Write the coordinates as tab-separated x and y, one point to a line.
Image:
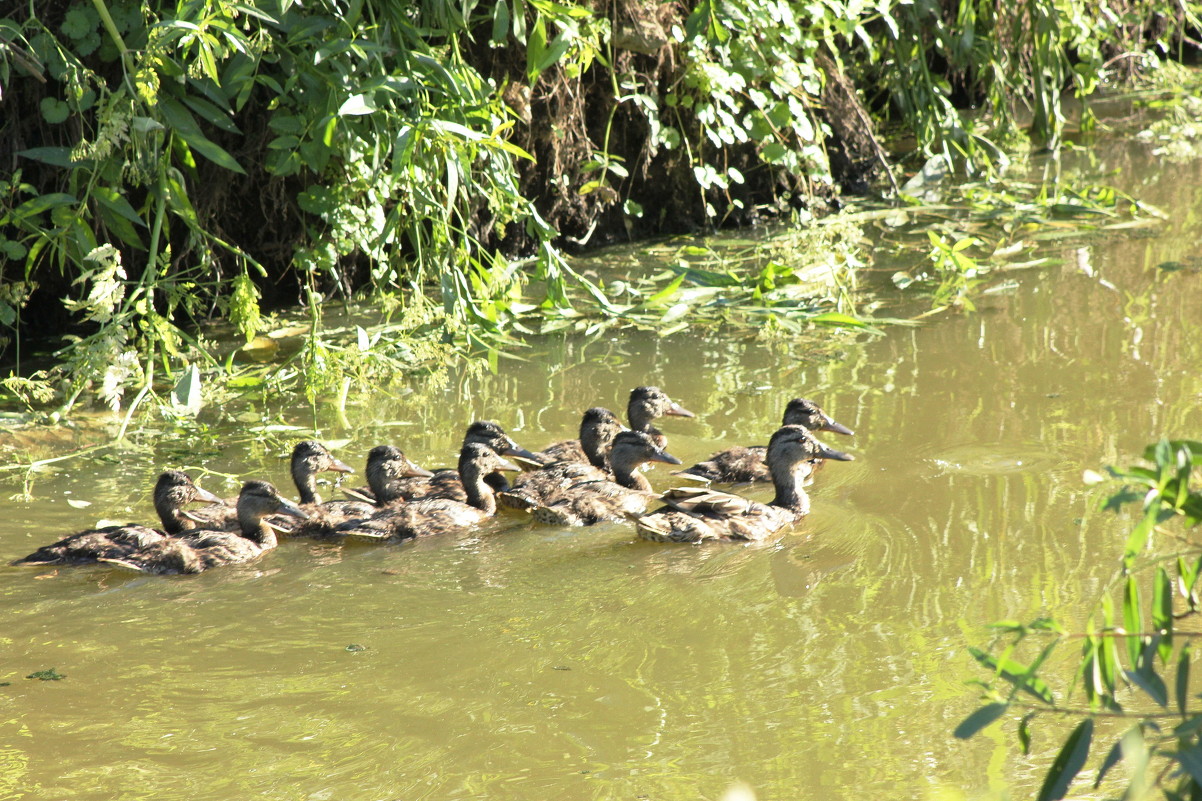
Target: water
528	662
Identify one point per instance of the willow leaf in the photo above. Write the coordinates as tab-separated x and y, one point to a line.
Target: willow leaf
1068	762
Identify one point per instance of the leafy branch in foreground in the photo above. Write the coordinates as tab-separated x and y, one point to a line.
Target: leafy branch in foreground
1134	667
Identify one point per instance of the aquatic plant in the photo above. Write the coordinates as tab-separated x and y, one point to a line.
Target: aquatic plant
1135	652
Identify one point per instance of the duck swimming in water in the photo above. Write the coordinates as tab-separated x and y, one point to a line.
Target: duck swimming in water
585	503
447	484
745	464
257	501
646	404
172	491
598	428
310	458
597	432
702	515
402	519
199	550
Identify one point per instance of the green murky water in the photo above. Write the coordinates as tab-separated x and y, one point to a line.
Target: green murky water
526	662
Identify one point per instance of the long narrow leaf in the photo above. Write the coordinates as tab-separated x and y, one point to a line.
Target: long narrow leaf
1132	620
1138	539
1162	612
1068	762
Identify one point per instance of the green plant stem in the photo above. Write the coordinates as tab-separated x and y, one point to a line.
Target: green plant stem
111	27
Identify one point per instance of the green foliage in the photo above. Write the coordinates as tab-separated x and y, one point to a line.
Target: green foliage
1135	666
177	158
750	78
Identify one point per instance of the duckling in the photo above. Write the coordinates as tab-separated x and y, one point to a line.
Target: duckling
648	403
386	465
593	501
324	518
168	555
598	428
698	515
597	431
746	464
256	502
447	484
309	458
402	519
172	491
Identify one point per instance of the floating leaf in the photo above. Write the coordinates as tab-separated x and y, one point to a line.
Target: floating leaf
49	674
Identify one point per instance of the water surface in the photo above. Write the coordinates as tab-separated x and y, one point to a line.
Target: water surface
529	662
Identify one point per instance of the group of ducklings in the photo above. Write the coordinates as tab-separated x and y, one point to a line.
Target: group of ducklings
577	482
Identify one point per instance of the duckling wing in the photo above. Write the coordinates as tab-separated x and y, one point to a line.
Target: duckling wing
589	503
92	545
214	517
733	466
323	520
443	484
420	518
168	555
707	502
671	525
569	450
544	484
221	548
699	515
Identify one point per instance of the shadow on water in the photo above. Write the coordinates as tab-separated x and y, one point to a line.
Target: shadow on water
526	661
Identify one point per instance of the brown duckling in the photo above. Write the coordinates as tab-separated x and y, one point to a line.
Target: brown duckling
534	487
309	458
699	515
172	491
386	465
257	501
402	519
447	484
324	518
598	428
168	555
589	502
648	403
745	464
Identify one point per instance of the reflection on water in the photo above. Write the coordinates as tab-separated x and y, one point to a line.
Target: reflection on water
527	662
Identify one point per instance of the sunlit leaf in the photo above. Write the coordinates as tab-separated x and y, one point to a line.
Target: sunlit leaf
1137	540
1132	618
1162	612
186	397
356	105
